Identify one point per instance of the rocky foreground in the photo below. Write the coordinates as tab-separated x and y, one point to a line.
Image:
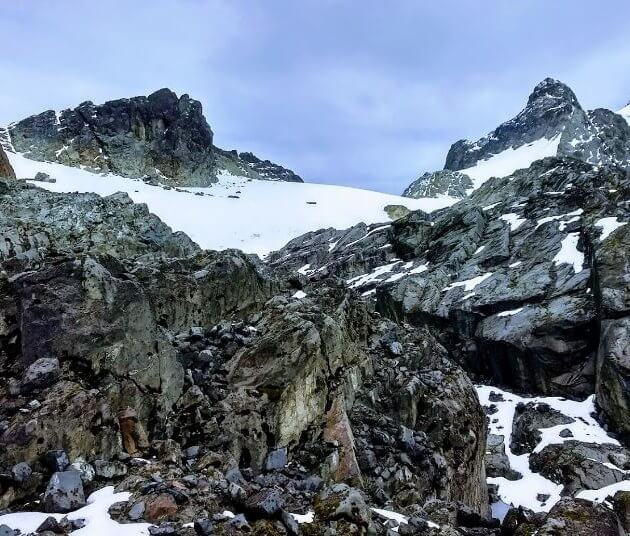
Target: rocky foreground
328	390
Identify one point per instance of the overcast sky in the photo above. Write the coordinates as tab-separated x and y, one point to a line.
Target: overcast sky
363	93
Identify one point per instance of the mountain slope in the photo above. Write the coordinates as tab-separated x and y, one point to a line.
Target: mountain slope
552	124
236	212
160	137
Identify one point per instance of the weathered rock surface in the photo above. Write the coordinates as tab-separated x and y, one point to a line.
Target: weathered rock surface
135	343
64	492
161	137
575	516
580	466
445	182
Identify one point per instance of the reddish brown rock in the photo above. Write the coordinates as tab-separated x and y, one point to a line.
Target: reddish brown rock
6	170
161	507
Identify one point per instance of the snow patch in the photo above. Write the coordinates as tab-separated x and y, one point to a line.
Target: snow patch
468	284
512	312
625	113
507	162
569	253
308	517
513	220
608	226
584	428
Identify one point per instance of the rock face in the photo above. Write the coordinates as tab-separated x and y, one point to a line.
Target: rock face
553	112
162	137
509	271
133	342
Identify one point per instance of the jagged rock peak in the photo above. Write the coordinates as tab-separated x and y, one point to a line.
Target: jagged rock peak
551	89
552	123
160	137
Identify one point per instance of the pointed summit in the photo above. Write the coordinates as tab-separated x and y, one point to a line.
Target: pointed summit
550	108
552	123
550	91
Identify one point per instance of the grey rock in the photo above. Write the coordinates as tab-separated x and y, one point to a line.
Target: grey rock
575	516
43	177
497	462
265	503
438	183
528	420
64	492
204	527
136	512
21	472
85	469
56	460
276	459
50	524
579	466
42	373
109	469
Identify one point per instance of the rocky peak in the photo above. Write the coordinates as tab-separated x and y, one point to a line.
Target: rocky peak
551	124
160	137
550	90
438	183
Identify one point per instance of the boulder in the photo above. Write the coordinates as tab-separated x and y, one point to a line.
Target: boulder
580	466
42	373
576	516
528	420
64	492
6	170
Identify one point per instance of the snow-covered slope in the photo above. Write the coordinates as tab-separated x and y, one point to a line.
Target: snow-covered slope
507	162
237	212
625	113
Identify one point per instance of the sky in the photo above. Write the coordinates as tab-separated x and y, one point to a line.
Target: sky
368	94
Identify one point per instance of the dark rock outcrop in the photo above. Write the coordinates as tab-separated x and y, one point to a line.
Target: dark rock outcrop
162	137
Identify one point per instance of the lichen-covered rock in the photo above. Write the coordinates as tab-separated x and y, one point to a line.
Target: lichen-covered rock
576	516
